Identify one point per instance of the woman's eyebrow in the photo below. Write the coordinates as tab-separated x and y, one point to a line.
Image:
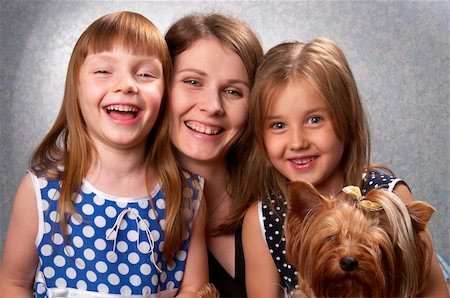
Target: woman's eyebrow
197	71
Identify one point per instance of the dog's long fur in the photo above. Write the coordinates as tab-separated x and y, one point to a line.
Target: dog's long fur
342	249
208	291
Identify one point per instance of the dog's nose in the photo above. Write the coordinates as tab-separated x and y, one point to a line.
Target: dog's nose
348	263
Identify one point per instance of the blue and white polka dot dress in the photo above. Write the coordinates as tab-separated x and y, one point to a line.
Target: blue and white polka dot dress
114	248
272	216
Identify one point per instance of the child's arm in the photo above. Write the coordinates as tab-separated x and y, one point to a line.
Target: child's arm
436	286
196	271
19	262
261	275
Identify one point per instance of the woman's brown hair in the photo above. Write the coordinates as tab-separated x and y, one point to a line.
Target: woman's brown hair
242	40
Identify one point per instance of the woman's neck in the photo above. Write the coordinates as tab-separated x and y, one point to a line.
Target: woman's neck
215	172
216	177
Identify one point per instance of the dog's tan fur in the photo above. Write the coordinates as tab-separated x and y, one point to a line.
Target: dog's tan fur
208	291
391	246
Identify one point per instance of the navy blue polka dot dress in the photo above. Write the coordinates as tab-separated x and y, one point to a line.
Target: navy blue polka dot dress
115	247
272	226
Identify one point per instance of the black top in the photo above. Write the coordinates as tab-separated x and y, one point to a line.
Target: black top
227	285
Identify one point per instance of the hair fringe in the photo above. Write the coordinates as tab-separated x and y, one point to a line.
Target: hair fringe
67	151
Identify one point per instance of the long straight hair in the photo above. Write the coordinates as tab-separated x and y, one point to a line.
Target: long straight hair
242	40
323	64
67	151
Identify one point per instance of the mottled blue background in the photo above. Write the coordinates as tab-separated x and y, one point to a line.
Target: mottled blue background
398	50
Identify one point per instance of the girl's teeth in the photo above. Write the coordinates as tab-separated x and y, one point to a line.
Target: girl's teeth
122	108
302	161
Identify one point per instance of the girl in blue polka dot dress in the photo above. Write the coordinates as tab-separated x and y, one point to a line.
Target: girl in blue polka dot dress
104	210
309	124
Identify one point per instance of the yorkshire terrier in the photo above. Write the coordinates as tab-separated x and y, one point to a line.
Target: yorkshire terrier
372	246
208	291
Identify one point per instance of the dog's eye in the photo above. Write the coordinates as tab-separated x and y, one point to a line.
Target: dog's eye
331	238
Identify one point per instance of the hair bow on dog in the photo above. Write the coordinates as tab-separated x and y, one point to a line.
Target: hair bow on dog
355	192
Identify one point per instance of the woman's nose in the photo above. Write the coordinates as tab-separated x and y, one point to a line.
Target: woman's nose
211	103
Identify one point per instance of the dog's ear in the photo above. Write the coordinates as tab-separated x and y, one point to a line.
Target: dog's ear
302	197
420	213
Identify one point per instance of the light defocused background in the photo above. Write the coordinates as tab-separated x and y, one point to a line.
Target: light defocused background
399	52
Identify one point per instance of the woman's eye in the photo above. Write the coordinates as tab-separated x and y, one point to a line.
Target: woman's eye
233	92
192	82
314	120
278	125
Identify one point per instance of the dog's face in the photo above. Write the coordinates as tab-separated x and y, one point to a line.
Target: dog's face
341	249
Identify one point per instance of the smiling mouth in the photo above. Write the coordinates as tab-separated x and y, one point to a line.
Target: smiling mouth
203	129
122	111
302	161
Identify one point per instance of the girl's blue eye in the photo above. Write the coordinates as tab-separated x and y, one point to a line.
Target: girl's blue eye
101	71
314	120
146	75
278	125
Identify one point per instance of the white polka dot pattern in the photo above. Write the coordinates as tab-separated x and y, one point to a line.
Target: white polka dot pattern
121	264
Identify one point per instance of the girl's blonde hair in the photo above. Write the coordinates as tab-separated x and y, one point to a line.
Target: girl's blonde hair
322	63
67	151
242	40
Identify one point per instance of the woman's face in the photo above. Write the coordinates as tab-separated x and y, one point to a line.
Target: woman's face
208	101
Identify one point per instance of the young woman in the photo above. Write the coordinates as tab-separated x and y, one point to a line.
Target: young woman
214	61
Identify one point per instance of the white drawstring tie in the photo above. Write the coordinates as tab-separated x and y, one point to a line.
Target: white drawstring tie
115	230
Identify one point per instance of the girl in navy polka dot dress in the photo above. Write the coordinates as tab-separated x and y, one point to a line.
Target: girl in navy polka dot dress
104	210
309	125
